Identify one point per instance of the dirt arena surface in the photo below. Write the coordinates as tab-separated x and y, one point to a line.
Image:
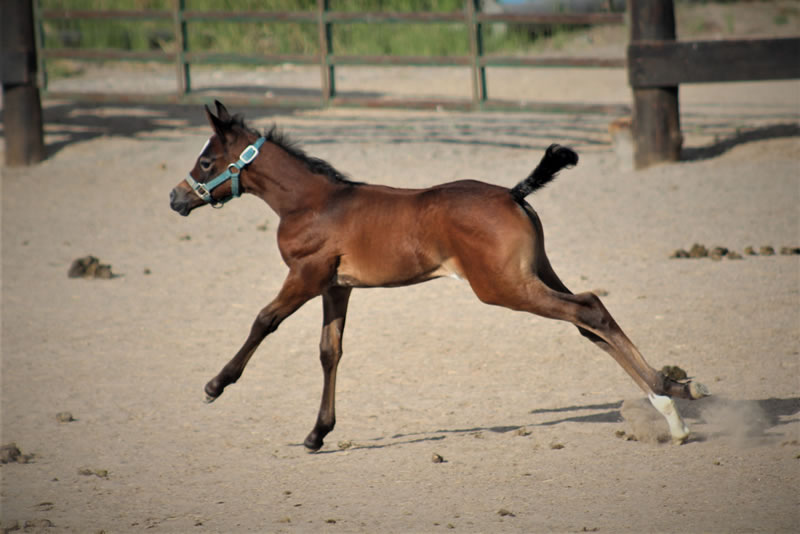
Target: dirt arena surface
531	421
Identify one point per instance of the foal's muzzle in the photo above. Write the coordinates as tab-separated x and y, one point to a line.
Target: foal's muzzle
179	201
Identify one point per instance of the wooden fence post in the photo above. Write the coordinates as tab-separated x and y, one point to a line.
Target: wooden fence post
22	106
656	125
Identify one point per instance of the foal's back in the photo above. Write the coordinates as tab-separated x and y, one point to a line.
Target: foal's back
403	236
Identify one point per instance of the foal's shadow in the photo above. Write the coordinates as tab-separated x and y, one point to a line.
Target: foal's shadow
710	418
609	413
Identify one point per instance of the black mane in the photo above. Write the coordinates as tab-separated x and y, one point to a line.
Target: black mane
276	136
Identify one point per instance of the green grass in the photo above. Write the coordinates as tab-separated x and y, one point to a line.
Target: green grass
275	38
780	19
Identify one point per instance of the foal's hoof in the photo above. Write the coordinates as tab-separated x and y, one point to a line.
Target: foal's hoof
211	393
313	443
214	389
666	406
678	430
681	438
698	390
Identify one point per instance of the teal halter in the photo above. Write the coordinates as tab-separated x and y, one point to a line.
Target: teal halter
203	190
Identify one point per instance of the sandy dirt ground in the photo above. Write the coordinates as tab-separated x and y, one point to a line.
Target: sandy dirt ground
532	421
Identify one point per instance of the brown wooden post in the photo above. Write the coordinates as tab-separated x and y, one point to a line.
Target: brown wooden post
22	106
656	124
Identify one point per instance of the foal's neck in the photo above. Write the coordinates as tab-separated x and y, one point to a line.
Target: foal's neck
284	182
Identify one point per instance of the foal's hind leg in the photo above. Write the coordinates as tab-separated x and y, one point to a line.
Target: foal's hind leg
548	297
593	320
663	384
334	304
597	324
294	293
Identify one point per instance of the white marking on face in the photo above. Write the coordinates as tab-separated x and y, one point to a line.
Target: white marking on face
205	146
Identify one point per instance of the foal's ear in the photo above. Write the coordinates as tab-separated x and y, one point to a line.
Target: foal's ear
217	124
222	112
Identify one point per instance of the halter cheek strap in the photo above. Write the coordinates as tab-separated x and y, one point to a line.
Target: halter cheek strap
203	190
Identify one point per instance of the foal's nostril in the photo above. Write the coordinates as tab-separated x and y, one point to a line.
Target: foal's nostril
174	203
178	202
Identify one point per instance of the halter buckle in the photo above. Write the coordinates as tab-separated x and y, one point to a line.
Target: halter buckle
248	154
201	191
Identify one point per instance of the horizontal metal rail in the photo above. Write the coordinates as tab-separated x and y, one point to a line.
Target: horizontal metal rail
333	59
126	14
326	59
309	102
339	16
98	54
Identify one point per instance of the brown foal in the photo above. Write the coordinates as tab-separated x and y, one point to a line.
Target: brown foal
335	235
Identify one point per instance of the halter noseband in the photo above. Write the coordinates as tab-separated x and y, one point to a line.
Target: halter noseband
203	190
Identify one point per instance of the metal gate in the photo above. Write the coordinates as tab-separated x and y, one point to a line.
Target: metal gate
327	59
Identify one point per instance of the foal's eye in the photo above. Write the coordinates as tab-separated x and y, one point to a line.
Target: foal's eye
206	164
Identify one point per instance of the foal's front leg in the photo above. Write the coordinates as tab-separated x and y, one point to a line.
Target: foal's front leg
334	305
294	293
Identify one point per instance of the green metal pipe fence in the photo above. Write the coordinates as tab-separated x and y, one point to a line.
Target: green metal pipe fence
326	58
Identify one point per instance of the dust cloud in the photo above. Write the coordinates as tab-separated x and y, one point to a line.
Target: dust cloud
745	422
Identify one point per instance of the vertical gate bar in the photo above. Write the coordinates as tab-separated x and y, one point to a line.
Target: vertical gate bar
476	52
181	46
325	46
479	43
38	34
329	50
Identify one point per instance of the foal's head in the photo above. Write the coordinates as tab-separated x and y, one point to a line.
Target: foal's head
214	179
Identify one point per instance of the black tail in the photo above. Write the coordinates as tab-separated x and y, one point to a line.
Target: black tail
555	158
